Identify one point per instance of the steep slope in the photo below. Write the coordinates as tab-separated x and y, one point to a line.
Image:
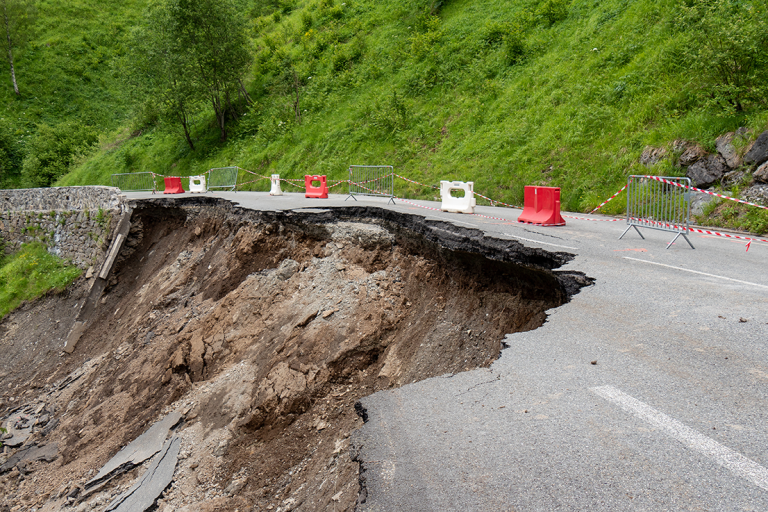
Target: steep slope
261	330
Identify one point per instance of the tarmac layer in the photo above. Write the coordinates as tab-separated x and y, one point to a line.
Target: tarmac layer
648	391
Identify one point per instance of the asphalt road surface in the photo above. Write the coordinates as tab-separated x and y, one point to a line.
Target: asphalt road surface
648	391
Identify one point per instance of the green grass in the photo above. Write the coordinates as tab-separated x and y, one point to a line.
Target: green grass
735	216
502	93
30	273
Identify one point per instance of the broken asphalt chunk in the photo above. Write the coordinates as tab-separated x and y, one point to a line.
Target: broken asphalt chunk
141	449
31	453
152	483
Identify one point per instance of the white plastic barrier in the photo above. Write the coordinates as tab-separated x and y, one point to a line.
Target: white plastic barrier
452	204
197	184
276	190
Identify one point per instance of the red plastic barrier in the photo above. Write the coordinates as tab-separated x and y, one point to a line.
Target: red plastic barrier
173	186
542	206
320	192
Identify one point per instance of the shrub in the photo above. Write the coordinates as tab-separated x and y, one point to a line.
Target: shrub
306	21
52	149
515	47
11	157
552	11
495	32
726	51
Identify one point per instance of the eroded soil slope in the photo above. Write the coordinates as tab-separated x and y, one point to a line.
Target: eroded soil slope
263	330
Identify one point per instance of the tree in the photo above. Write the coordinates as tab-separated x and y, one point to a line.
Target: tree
214	37
160	73
18	18
186	52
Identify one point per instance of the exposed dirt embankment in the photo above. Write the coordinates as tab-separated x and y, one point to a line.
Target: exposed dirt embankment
263	329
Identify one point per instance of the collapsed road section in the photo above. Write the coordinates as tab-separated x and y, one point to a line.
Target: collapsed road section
256	333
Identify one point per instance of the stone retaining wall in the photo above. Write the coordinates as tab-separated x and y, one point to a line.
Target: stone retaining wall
75	223
60	198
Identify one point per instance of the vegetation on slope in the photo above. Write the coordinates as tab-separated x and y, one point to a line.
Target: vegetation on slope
30	273
502	93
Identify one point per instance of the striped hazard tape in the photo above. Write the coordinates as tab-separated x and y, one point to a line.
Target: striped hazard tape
658	178
415	182
609	199
727	235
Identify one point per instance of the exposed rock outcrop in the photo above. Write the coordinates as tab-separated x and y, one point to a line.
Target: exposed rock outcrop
758	153
707	171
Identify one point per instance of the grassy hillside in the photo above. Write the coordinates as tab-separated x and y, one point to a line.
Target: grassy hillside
65	68
503	93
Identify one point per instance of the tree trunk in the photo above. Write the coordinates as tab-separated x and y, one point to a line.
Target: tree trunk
185	126
221	115
244	92
10	49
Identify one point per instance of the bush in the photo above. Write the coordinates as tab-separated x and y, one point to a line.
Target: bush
306	21
11	156
495	32
515	47
552	11
52	150
726	51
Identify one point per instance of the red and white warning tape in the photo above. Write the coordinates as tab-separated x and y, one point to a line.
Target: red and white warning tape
164	176
416	182
658	178
609	199
341	182
293	184
494	202
726	235
250	172
252	181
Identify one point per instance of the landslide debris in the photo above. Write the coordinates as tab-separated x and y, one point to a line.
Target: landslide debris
258	332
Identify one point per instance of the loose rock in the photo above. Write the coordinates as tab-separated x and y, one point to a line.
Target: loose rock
707	171
727	150
757	194
761	174
651	156
758	153
691	154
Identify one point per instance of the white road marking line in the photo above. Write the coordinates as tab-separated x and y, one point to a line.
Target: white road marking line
540	242
696	272
729	459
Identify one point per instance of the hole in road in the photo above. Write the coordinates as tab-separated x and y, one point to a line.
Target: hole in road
268	327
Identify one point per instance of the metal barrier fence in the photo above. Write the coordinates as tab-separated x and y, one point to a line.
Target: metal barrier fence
223	177
135	182
659	202
372	180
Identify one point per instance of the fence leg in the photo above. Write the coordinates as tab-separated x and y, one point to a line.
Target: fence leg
391	200
678	236
630	227
352	196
